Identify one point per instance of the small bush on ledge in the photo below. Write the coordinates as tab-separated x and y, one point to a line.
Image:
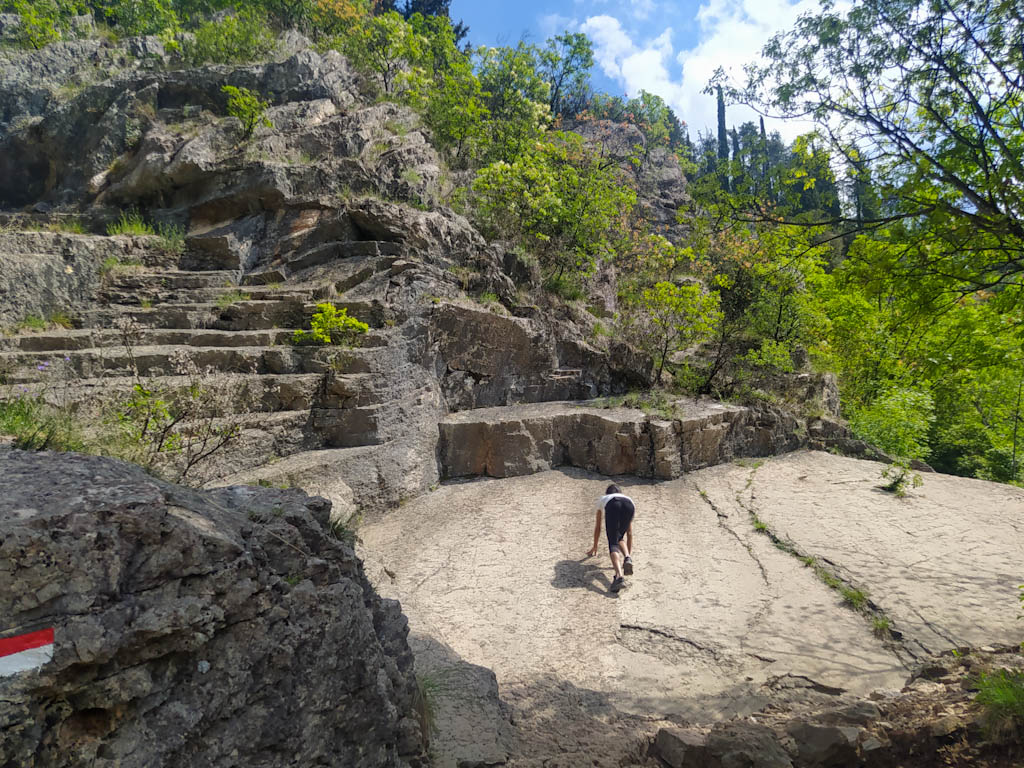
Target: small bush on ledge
248	108
331	325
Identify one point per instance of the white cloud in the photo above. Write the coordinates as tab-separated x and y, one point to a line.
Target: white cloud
554	24
642	8
732	33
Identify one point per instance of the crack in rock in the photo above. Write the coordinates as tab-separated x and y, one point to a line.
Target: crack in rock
750	550
657	642
790	680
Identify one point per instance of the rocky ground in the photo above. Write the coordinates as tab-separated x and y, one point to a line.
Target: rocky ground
719	622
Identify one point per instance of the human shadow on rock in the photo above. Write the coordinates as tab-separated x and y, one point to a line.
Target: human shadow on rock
579	574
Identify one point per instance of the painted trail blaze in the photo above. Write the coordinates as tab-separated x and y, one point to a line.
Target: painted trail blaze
24	652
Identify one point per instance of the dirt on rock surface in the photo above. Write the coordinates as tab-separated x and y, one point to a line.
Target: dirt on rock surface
718	622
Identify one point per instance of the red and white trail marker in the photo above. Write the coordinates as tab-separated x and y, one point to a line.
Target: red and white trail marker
24	652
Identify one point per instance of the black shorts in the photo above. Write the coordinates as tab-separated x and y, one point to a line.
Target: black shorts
618	515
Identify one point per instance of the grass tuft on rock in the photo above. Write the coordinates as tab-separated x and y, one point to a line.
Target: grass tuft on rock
130	223
1001	698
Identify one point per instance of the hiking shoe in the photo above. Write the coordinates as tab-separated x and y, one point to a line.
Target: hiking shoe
617	583
627	566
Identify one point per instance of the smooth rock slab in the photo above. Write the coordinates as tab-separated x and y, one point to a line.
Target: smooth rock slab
943	563
716	621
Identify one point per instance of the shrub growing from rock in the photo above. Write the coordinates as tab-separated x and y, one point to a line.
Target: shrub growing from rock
331	325
1001	697
670	317
248	108
561	199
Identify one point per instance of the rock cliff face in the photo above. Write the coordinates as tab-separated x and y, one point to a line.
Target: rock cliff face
325	205
214	628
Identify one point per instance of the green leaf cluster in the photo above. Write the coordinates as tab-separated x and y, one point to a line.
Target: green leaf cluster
139	17
41	22
666	318
560	198
331	325
248	108
240	38
897	422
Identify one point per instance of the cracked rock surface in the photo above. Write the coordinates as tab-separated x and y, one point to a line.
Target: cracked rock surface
942	563
717	621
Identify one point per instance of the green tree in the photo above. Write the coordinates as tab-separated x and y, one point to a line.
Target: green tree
516	96
41	22
928	93
449	93
667	318
565	62
383	46
140	17
771	281
652	116
560	198
241	38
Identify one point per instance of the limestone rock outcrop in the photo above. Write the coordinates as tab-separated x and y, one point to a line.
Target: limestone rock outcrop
521	440
192	628
661	185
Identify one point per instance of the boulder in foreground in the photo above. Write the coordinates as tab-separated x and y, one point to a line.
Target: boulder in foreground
211	628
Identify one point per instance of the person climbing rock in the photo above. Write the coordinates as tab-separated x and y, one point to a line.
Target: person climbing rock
618	510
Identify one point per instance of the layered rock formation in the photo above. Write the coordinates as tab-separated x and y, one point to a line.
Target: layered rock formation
511	441
192	628
316	208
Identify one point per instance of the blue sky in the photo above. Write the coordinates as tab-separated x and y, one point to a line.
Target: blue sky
668	48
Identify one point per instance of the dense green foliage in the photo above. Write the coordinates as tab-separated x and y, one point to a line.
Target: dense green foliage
560	198
45	21
1001	697
920	104
239	38
672	317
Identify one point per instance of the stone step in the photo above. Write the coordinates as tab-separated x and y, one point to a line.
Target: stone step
263	439
257	394
23	367
305	258
172	279
241	316
155	295
110	338
522	439
97	249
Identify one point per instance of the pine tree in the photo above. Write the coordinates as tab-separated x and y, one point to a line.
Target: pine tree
723	139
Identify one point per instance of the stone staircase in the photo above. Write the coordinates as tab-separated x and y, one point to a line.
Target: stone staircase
242	333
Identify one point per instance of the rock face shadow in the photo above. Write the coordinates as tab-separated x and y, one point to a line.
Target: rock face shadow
580	574
471	725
